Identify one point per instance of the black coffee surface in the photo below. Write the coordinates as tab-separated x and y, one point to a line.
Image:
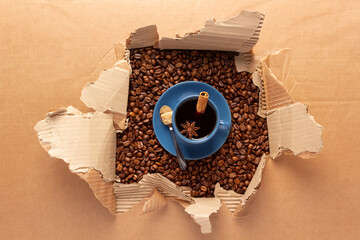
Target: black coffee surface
187	114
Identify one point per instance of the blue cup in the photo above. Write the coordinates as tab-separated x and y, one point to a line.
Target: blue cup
193	149
187	142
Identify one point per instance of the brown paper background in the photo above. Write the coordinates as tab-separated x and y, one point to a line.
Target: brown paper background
49	48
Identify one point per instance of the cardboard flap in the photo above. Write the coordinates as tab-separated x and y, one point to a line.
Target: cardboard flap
109	92
143	37
155	202
274	73
243	61
270	71
279	63
201	211
164	186
292	128
102	189
239	33
128	195
231	199
84	141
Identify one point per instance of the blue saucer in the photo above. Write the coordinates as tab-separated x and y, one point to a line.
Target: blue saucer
178	93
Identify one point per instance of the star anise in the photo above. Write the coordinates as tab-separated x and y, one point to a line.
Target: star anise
189	129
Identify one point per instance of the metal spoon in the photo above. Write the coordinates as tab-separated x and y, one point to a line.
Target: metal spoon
166	117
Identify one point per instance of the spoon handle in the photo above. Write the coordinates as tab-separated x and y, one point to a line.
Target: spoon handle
179	154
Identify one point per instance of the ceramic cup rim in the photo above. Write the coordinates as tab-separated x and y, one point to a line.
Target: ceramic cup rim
200	140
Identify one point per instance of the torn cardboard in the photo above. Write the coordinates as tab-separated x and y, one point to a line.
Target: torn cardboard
87	142
143	37
127	195
107	93
238	34
290	125
155	202
84	141
201	211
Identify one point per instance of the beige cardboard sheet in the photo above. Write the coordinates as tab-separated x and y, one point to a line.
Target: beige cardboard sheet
108	94
65	46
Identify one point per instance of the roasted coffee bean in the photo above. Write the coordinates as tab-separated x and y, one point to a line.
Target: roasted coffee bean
139	152
170	177
232	175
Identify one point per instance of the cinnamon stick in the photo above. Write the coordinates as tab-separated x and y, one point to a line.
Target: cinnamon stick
202	102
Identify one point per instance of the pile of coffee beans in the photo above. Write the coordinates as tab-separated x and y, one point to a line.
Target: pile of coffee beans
138	150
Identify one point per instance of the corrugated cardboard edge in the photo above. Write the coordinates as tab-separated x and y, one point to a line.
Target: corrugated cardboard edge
257	80
256	65
290	126
243	61
274	75
50	140
103	190
270	75
239	33
127	195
